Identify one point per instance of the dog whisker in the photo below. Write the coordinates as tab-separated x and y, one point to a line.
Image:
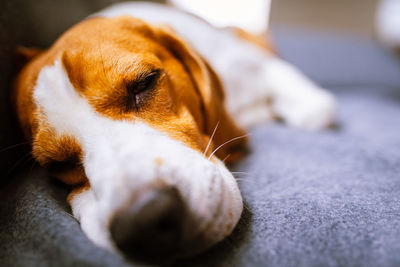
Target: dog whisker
243	180
212	136
223	161
71	216
246	207
34	164
21	161
227	142
241	177
13	146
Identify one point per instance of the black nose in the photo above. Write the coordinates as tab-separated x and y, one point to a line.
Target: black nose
151	228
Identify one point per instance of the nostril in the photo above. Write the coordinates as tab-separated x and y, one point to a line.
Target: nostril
150	227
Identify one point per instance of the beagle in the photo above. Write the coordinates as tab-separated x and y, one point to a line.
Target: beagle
126	108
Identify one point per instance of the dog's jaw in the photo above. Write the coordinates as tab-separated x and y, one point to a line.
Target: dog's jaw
121	157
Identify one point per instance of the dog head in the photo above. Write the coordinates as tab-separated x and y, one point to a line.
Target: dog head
133	118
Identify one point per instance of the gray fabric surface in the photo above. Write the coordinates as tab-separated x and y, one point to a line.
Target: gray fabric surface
330	198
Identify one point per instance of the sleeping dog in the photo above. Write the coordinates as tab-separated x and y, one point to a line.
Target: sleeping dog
139	107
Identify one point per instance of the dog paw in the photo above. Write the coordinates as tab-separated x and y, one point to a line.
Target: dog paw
296	99
312	111
255	114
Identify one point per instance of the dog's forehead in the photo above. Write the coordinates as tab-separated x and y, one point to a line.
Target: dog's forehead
119	46
107	65
122	30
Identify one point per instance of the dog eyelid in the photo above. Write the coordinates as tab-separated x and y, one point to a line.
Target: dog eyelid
138	89
143	83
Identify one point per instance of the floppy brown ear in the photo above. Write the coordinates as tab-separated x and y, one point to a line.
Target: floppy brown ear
210	90
25	54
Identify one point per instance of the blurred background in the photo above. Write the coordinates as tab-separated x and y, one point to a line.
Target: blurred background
39	21
348	16
355	17
373	19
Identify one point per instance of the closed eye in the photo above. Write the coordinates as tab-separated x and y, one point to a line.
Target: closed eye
140	90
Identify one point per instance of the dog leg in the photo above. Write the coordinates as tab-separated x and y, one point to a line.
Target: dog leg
271	89
296	99
254	113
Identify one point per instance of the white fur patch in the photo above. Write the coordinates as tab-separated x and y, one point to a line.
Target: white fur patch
85	209
388	22
298	100
120	159
250	15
